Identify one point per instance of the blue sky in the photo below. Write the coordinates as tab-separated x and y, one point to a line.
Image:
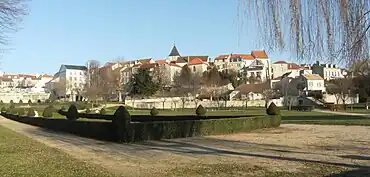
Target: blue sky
71	32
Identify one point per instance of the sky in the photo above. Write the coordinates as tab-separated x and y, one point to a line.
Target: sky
72	32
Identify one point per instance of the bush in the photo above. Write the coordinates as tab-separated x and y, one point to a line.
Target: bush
200	111
3	109
21	112
12	106
273	110
102	111
29	102
39	101
87	111
13	111
154	111
48	112
47	101
72	113
8	110
31	112
20	102
121	123
11	102
1	102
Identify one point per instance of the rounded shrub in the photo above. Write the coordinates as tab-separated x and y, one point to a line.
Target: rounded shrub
39	101
72	113
154	111
272	109
20	102
31	112
48	112
87	111
200	111
1	102
29	101
13	111
21	112
102	111
121	122
3	109
12	106
11	102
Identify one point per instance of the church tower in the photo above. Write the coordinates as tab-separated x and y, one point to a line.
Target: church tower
174	54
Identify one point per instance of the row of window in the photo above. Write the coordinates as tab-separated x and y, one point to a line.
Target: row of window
310	83
332	73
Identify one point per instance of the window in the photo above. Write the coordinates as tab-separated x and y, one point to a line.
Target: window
194	69
81	73
70	78
75	78
319	84
75	84
310	83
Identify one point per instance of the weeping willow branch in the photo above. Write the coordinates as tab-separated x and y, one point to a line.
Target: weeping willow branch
330	30
11	14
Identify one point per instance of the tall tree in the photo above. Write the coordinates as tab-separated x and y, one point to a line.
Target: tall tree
324	29
143	84
93	87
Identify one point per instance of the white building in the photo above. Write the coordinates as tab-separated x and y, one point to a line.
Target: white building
327	71
69	82
313	82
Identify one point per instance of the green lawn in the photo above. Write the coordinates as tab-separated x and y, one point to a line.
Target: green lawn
22	156
295	117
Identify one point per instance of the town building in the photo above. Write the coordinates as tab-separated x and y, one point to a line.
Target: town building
327	71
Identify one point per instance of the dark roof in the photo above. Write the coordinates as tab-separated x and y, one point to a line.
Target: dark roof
174	52
255	88
75	67
186	58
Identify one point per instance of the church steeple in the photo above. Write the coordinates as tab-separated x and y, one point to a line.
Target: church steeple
174	52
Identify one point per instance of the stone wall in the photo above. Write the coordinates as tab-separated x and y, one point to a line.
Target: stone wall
16	97
176	102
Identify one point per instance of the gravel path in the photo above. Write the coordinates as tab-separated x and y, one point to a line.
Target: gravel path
287	148
342	113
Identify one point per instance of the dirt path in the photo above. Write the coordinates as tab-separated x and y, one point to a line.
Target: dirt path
287	148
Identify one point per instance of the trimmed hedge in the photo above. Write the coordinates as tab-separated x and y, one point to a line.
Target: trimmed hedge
181	129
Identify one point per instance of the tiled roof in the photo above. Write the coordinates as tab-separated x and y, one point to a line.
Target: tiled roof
259	54
242	56
196	61
144	61
161	62
76	67
294	66
313	77
181	60
255	88
48	76
280	62
203	58
5	79
148	66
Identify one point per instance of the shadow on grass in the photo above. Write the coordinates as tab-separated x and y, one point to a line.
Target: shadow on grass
362	172
356	157
323	117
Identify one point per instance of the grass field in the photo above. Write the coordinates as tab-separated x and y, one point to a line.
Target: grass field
22	156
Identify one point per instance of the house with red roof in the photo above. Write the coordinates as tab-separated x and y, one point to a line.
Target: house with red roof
197	65
279	68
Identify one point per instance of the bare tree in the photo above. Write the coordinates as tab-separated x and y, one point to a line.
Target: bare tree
325	29
93	86
11	14
267	95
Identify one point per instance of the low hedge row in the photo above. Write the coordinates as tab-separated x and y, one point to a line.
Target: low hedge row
189	128
124	128
90	129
